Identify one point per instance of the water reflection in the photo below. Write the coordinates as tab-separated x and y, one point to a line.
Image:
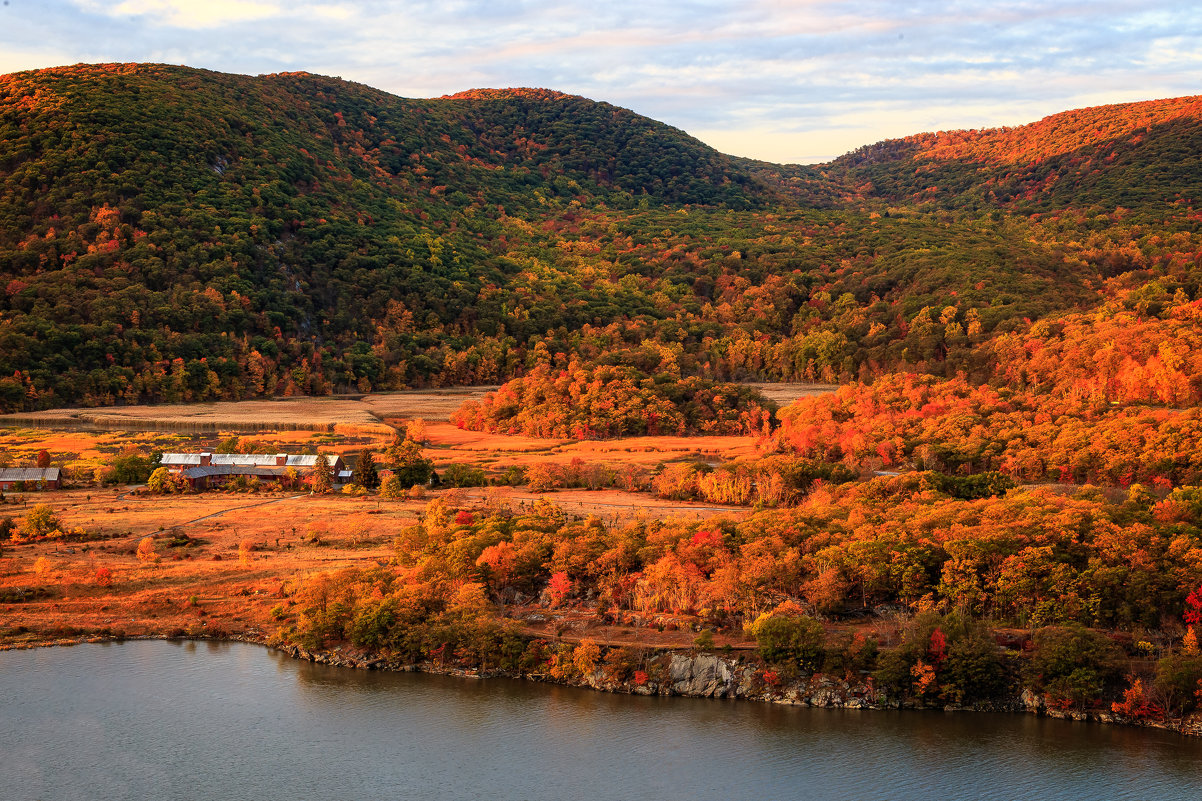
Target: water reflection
214	720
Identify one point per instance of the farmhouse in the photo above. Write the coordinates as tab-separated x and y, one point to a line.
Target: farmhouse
204	470
30	478
178	462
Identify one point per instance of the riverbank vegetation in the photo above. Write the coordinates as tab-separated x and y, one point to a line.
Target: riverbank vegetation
1002	599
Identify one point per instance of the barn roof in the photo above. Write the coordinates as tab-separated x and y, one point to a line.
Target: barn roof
29	473
206	471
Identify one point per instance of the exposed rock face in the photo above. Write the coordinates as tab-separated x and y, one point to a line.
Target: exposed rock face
704	676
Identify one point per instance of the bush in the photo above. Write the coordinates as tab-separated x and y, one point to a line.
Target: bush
146	550
461	475
1072	665
790	639
1179	682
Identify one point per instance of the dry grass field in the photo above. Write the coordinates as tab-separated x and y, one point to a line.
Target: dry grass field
355	414
447	443
203	575
224	563
359	414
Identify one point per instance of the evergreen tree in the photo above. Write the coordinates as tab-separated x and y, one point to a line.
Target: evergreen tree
323	475
365	474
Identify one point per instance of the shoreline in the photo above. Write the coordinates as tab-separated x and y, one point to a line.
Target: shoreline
689	675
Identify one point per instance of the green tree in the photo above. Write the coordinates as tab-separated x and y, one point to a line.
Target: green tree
407	463
130	468
791	639
323	475
1072	665
1179	682
365	473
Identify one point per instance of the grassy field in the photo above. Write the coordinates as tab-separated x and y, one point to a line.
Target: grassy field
358	414
226	563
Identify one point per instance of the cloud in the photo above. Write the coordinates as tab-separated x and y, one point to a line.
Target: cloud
188	14
786	79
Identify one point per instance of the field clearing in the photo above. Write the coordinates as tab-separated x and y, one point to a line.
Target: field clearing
784	394
346	414
205	583
448	444
292	538
357	414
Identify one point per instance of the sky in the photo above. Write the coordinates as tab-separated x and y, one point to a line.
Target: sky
789	81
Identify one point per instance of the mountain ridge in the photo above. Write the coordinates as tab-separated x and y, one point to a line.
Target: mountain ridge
169	233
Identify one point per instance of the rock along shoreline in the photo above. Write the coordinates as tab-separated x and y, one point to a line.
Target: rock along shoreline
687	675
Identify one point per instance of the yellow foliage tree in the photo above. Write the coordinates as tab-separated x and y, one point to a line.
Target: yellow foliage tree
146	550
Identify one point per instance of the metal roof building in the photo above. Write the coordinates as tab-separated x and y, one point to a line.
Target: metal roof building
50	477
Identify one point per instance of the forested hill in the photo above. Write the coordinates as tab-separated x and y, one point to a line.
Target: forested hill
1134	155
174	234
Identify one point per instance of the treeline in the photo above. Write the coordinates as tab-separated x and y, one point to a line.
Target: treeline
1028	558
602	402
1034	560
957	427
170	235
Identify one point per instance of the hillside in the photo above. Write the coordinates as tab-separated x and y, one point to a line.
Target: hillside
170	234
1136	155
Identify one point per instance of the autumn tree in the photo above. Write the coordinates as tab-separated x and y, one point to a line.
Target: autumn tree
393	488
146	552
40	521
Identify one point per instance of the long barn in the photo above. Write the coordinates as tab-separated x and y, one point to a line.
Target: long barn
30	478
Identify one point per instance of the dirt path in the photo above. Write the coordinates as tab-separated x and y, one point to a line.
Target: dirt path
246	506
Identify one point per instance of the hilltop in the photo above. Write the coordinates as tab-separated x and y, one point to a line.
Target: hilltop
170	234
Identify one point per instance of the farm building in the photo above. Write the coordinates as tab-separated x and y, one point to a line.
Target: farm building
30	478
302	462
207	476
205	470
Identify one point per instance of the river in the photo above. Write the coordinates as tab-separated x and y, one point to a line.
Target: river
184	720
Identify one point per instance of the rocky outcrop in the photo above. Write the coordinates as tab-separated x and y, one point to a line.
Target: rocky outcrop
700	675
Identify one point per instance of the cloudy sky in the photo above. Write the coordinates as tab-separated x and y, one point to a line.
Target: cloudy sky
782	80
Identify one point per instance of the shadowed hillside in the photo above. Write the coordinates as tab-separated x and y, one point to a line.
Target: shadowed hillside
170	234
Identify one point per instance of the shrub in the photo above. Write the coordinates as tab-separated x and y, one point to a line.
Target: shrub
790	639
1179	682
145	550
1072	665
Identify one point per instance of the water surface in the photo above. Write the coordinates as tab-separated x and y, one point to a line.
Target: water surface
153	719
